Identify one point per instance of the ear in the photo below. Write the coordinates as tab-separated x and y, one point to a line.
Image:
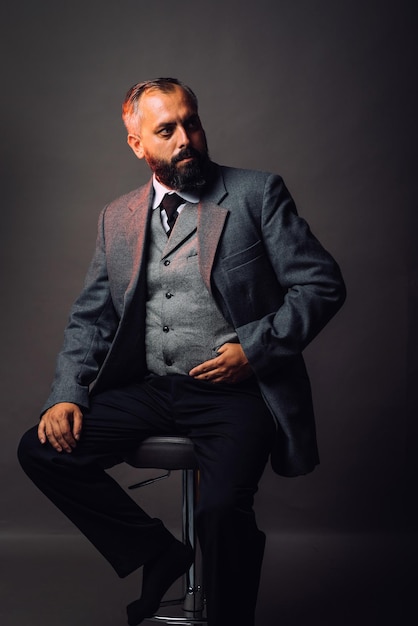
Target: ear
134	141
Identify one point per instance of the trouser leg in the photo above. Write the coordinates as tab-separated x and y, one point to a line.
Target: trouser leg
79	486
231	429
232	432
232	547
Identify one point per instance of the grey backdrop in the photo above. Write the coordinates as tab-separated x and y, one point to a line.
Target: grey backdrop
322	92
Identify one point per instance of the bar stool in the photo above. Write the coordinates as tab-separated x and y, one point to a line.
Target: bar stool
176	453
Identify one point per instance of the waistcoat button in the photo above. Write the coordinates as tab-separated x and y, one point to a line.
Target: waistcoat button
166	329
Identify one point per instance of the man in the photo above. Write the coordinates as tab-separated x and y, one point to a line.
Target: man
196	326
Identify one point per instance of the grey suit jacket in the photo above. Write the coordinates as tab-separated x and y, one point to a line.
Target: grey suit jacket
271	278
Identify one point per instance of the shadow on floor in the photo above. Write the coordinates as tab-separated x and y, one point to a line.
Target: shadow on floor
308	580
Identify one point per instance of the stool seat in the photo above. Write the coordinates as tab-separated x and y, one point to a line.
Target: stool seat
165	452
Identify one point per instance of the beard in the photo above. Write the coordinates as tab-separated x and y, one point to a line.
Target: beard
189	176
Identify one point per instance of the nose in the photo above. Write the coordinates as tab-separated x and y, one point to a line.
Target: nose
183	138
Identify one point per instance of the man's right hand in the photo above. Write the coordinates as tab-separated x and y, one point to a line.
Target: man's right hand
61	425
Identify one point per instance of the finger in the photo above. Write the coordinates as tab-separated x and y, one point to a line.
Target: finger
66	439
217	375
41	432
203	368
62	436
77	425
52	440
201	376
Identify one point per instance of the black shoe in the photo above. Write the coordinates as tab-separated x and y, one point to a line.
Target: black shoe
158	576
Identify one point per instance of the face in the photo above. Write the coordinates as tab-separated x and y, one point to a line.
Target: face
171	139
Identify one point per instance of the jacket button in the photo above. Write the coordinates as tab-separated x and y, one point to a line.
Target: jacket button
168	295
168	362
165	329
166	262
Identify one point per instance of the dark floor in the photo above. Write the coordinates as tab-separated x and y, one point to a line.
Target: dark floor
308	580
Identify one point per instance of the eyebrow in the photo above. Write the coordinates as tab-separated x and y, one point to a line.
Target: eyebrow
168	124
165	125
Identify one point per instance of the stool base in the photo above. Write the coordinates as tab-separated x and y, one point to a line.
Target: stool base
190	610
185	621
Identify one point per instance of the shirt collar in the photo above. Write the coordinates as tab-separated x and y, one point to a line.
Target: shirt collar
160	191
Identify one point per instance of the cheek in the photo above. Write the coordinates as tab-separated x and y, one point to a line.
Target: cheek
160	152
199	142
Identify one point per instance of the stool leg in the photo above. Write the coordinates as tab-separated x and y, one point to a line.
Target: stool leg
194	600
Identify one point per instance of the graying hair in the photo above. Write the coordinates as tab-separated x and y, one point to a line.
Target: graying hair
130	106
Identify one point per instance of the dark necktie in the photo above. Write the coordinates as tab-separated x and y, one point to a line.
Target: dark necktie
170	203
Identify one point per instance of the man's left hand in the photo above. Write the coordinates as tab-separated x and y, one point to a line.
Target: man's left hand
231	366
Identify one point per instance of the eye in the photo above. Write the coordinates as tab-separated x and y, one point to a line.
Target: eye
193	123
166	131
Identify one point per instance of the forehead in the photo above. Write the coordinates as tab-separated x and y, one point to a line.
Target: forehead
158	105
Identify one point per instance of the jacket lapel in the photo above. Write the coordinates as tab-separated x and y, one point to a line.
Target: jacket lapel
136	232
210	224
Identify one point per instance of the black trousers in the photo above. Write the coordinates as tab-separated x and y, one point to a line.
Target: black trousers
231	429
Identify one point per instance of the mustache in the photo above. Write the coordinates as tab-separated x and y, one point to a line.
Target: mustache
186	153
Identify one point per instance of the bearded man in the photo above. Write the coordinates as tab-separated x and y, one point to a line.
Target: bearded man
204	289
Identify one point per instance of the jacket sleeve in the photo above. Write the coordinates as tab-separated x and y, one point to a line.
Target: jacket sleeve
307	277
89	333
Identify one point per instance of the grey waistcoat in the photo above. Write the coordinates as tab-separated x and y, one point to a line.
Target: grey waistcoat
184	327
